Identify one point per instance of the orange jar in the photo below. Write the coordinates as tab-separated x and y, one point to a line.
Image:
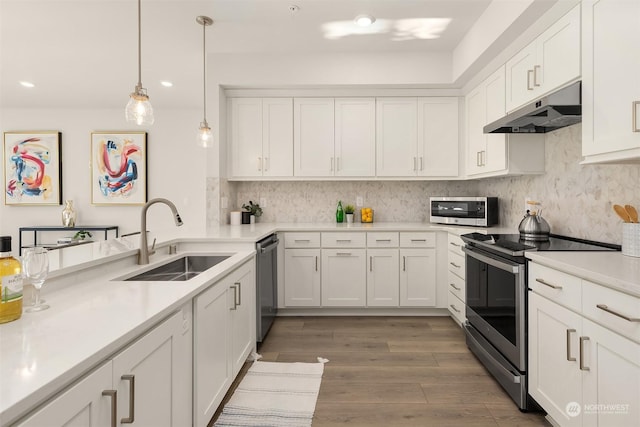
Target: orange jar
366	215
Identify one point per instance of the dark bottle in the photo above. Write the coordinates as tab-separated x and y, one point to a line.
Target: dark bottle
339	212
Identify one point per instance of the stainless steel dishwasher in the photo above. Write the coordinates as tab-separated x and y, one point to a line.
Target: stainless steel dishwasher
266	284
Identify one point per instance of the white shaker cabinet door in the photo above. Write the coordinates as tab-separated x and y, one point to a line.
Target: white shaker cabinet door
417	277
313	123
611	80
383	277
302	277
520	77
396	137
438	136
83	405
277	137
344	279
242	286
246	137
355	137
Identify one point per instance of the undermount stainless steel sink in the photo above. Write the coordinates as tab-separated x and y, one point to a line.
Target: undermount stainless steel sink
181	269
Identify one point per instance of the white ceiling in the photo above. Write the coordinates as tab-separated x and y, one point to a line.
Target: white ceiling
84	52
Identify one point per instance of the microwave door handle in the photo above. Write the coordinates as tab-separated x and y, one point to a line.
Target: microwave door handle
511	268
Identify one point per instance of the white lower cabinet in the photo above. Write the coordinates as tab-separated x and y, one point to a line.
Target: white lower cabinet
156	369
302	277
224	335
581	372
383	277
344	279
418	278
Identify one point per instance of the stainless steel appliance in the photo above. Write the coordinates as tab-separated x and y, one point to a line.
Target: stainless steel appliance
554	111
496	301
266	284
478	211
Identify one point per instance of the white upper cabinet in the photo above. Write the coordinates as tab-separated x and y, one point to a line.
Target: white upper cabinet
611	81
438	136
549	62
417	137
396	136
355	137
261	135
497	154
313	138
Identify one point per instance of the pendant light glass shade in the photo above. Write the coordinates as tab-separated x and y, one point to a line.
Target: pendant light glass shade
139	110
205	135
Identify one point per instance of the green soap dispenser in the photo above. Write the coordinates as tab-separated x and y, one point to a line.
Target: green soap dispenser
339	212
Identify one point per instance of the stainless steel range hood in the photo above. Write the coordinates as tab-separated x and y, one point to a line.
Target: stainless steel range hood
556	110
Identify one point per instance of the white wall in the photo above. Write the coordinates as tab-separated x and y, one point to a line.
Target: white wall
176	169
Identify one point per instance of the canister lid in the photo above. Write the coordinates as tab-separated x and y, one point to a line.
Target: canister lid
5	243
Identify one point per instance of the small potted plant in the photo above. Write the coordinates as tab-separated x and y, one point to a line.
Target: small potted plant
81	235
349	210
254	211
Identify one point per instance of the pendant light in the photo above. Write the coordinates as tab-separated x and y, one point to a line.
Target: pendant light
205	136
139	110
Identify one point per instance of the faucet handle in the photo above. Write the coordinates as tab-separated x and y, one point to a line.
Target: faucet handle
152	250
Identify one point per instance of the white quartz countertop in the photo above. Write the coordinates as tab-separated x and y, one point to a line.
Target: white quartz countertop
610	269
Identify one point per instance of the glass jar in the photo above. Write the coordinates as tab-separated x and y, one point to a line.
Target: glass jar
366	215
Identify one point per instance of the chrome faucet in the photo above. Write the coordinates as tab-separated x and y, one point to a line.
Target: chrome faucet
145	251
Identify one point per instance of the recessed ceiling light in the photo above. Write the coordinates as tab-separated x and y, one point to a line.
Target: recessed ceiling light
27	84
364	20
166	83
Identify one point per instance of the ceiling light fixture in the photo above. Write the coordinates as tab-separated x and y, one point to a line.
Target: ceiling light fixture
139	110
27	84
166	83
205	136
364	20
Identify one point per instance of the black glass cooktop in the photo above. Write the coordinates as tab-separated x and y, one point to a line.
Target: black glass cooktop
513	245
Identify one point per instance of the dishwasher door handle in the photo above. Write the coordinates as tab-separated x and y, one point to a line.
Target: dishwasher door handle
270	247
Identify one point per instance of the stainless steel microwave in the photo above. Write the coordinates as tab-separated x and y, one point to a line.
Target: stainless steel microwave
477	211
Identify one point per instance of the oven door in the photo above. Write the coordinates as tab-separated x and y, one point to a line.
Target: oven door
495	300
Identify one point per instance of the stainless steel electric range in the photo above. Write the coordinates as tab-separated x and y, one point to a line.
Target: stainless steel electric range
496	303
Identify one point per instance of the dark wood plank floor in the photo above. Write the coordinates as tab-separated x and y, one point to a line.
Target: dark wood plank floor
394	371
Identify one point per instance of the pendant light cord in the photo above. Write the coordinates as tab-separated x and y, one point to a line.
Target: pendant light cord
204	69
139	44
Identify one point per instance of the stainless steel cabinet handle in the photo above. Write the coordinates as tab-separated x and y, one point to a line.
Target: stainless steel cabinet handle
132	398
634	116
479	158
569	358
343	253
316	263
332	164
615	313
454	264
454	308
454	244
529	73
383	240
259	163
415	160
404	263
535	75
239	292
454	287
421	163
548	284
301	240
483	157
235	297
113	394
370	263
343	240
337	163
418	240
582	367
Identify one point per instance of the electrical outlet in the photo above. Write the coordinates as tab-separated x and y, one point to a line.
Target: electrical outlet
224	202
359	201
263	202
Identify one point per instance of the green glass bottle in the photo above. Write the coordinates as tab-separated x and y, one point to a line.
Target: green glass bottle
339	212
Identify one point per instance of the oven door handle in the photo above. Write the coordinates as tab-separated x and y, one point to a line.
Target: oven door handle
502	265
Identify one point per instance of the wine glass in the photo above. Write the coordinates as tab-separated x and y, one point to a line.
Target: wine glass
35	267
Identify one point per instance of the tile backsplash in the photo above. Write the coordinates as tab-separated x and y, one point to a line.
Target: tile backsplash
577	199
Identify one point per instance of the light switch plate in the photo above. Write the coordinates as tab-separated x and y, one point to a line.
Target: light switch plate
263	202
224	202
359	201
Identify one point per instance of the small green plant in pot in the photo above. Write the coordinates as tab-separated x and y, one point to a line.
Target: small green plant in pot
254	209
349	210
82	235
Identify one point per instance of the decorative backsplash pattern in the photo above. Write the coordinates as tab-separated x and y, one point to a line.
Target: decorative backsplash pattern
577	199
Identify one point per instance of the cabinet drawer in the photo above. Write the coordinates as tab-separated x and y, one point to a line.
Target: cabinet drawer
455	244
456	308
383	240
418	240
302	240
560	287
456	264
617	303
344	240
456	285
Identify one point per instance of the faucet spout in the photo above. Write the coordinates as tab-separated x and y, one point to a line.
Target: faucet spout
144	252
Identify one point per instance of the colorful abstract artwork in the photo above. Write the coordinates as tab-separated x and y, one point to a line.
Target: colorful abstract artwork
32	168
118	168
